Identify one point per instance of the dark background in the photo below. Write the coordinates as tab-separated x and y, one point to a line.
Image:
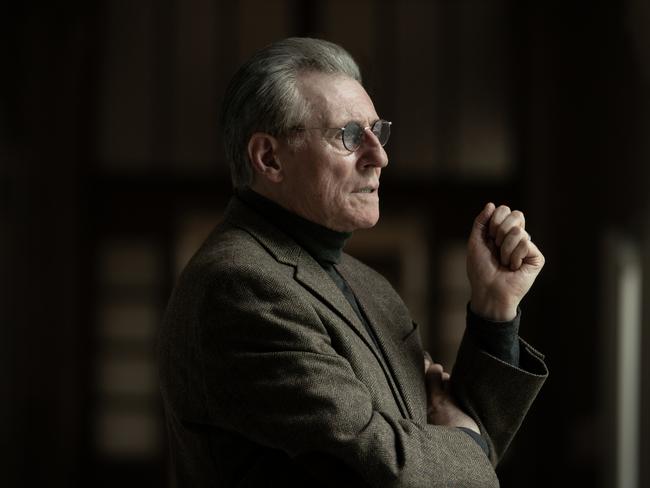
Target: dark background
111	171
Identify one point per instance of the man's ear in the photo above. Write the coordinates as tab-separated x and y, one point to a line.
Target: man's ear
262	154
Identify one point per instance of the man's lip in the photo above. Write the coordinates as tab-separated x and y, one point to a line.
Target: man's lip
362	189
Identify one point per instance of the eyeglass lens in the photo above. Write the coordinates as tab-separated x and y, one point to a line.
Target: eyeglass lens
353	133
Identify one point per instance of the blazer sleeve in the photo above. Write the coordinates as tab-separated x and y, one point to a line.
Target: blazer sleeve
269	371
495	393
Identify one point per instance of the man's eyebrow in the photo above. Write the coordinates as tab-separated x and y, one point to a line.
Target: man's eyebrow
359	120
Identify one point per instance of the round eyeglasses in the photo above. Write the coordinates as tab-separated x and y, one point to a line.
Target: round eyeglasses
352	133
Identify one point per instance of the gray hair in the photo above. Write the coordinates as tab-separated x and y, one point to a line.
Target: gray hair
263	95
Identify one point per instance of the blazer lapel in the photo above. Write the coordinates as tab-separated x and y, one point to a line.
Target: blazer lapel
316	280
406	378
308	272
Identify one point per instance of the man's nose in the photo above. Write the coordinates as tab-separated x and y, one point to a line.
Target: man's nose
373	153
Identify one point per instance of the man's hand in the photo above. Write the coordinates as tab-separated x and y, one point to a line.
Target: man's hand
502	262
442	410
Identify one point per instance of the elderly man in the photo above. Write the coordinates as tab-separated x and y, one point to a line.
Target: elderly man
286	362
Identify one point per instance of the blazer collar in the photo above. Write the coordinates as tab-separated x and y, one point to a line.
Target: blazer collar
277	243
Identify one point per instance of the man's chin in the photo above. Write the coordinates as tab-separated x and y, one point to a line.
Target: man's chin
365	222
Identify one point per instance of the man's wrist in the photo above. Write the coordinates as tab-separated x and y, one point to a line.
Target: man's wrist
500	339
492	310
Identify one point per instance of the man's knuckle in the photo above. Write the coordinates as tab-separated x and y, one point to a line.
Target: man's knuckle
517	231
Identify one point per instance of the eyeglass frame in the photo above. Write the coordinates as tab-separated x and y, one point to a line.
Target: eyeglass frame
363	129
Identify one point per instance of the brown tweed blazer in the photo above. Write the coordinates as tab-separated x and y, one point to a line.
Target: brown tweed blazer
269	378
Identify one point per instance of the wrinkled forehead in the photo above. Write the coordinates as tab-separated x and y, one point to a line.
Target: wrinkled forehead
336	99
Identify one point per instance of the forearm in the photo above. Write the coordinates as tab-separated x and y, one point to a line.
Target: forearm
496	394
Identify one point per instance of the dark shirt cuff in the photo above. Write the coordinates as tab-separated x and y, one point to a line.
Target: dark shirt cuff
479	440
500	339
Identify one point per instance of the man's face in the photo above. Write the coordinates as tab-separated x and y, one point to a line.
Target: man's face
323	181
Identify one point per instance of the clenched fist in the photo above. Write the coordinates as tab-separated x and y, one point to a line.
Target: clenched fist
502	262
